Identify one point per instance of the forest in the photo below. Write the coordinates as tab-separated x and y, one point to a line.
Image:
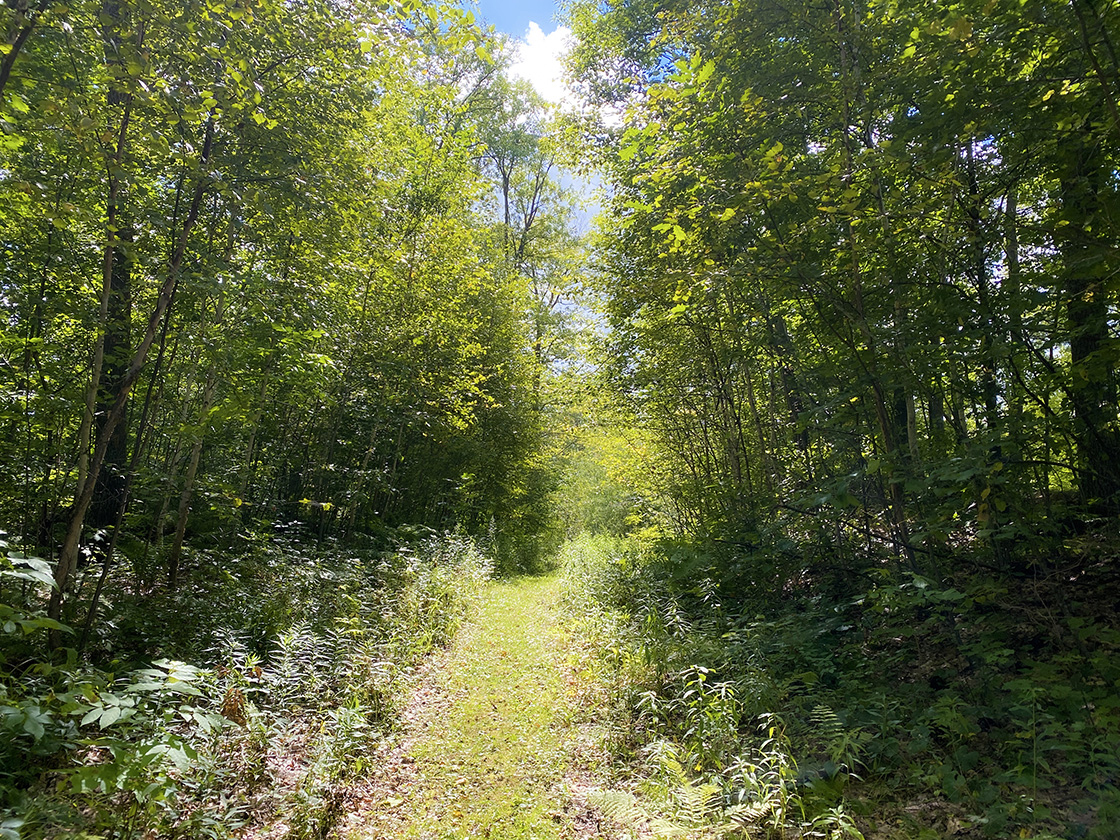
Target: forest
811	444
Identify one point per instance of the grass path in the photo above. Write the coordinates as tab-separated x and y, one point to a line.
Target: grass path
489	746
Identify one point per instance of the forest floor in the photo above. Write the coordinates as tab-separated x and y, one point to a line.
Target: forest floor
494	740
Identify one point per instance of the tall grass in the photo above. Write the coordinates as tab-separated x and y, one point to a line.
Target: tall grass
703	752
298	665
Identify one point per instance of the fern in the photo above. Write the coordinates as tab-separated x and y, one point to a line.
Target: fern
620	806
696	802
694	807
845	747
828	725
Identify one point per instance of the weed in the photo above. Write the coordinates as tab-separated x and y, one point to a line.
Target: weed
183	750
884	696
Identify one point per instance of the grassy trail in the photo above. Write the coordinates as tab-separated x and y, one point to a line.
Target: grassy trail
488	743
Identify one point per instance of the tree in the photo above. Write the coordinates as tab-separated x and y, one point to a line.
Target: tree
835	232
257	246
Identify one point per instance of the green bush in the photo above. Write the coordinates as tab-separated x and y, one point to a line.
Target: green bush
911	690
292	650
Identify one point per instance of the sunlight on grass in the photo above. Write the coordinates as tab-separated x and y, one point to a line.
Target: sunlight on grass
493	762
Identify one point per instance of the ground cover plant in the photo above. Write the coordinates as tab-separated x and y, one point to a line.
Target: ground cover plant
297	662
900	711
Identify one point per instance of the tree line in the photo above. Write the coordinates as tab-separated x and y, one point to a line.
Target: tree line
861	267
268	265
859	274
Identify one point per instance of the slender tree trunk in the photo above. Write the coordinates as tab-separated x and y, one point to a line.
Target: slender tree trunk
126	494
176	551
850	78
1085	248
1013	284
68	557
171	460
25	25
250	446
1110	86
936	408
356	494
110	273
116	343
978	267
208	396
764	457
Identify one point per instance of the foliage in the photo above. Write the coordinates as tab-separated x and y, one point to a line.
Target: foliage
850	280
825	717
857	281
260	271
283	289
192	751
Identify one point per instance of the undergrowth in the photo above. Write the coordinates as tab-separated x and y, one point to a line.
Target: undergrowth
297	658
911	710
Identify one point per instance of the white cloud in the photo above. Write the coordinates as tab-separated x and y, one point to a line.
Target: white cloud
537	60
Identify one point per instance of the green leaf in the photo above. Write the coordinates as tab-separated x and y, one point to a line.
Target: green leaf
10	827
26	567
30	625
34	728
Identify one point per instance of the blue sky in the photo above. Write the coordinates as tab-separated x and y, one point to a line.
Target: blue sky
513	16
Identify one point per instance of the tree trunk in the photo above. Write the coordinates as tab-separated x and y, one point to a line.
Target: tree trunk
1085	248
68	558
109	489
